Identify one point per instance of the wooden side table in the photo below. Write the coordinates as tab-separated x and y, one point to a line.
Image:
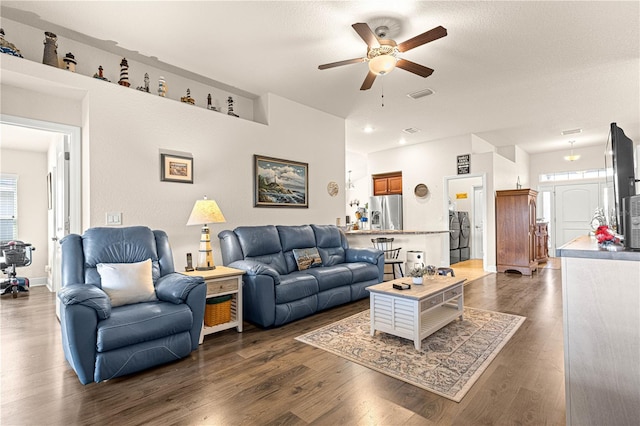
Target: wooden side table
222	281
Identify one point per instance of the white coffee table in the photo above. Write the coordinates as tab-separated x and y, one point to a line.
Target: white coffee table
418	312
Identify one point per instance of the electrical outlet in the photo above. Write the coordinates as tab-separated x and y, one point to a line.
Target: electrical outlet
114	218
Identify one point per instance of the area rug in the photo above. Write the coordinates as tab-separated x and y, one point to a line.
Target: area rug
448	363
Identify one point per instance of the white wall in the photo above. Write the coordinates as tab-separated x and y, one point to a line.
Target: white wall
124	131
31	168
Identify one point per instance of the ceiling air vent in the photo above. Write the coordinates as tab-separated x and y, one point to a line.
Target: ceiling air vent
411	130
421	94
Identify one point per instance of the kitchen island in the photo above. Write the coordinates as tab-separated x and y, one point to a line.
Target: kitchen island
432	243
601	322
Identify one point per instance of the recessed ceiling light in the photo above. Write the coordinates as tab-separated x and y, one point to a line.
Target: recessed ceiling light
368	129
402	141
571	132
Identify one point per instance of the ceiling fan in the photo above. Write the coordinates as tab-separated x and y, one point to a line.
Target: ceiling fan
382	53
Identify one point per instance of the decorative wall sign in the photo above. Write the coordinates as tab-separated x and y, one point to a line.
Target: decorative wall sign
280	183
464	164
332	189
175	168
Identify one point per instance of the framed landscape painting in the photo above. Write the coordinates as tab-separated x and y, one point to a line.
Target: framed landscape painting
175	168
280	183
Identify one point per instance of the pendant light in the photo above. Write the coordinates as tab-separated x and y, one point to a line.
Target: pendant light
572	156
350	184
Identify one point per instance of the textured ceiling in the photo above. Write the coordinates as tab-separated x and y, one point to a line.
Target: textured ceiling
514	73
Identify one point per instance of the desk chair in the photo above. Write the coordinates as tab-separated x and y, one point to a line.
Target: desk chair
391	255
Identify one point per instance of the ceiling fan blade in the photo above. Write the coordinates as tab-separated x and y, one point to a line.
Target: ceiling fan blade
340	63
419	40
418	69
367	35
368	81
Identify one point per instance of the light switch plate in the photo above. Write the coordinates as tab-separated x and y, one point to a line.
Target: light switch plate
114	218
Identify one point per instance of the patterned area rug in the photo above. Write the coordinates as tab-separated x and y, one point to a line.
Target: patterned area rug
449	362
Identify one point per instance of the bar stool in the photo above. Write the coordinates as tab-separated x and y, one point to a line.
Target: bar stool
391	255
444	271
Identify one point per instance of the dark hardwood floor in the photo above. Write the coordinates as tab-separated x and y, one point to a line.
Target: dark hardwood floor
266	377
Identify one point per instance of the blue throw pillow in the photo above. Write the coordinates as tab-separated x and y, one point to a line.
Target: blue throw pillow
307	258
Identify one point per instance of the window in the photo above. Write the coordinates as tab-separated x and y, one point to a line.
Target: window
578	175
8	207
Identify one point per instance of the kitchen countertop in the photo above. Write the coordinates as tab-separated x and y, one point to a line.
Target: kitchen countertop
587	247
393	232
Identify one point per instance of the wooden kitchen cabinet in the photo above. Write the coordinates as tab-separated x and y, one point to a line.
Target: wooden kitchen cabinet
516	231
387	184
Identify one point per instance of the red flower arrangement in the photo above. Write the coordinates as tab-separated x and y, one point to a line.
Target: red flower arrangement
605	236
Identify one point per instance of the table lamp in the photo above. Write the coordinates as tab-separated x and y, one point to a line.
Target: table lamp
204	212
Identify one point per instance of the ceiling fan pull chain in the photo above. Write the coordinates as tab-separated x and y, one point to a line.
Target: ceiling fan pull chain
382	86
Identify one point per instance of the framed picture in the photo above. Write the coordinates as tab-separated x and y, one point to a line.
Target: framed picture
175	168
280	183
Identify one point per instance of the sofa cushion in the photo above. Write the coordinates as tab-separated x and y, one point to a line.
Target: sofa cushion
295	237
361	271
330	244
118	245
262	243
127	283
142	322
307	258
294	286
331	276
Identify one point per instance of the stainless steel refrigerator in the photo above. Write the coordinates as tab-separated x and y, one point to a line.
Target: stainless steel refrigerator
386	212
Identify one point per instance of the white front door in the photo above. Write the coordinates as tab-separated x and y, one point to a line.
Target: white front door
574	208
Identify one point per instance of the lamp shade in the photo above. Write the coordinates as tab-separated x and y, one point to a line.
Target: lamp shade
205	211
382	64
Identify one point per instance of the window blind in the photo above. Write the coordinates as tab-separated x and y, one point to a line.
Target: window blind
8	207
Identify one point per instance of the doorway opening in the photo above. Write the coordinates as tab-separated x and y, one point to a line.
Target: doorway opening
59	147
466	193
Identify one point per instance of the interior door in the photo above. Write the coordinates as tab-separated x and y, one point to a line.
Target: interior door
574	207
477	227
61	221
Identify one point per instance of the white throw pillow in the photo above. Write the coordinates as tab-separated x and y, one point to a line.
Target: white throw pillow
127	283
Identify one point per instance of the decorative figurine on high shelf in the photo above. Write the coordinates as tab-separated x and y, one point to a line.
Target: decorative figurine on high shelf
230	107
8	48
50	55
70	62
124	73
188	99
144	88
99	74
162	87
209	105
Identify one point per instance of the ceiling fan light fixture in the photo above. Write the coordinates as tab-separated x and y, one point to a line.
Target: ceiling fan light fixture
382	64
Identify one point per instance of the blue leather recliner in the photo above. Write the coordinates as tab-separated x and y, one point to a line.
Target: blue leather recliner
102	341
276	291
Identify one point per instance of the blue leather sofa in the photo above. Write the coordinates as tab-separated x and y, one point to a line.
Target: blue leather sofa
276	292
102	341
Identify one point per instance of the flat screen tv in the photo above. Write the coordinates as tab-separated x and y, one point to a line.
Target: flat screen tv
621	166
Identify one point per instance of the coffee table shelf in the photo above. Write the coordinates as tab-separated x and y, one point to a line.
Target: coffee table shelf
418	312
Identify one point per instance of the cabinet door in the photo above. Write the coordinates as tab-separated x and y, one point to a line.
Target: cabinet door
395	185
380	186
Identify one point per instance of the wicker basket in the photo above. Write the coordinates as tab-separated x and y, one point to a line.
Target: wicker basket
217	311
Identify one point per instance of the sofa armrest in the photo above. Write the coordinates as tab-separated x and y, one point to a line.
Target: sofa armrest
366	254
87	295
253	268
175	287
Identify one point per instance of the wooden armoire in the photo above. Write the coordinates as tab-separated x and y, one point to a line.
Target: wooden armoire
516	231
